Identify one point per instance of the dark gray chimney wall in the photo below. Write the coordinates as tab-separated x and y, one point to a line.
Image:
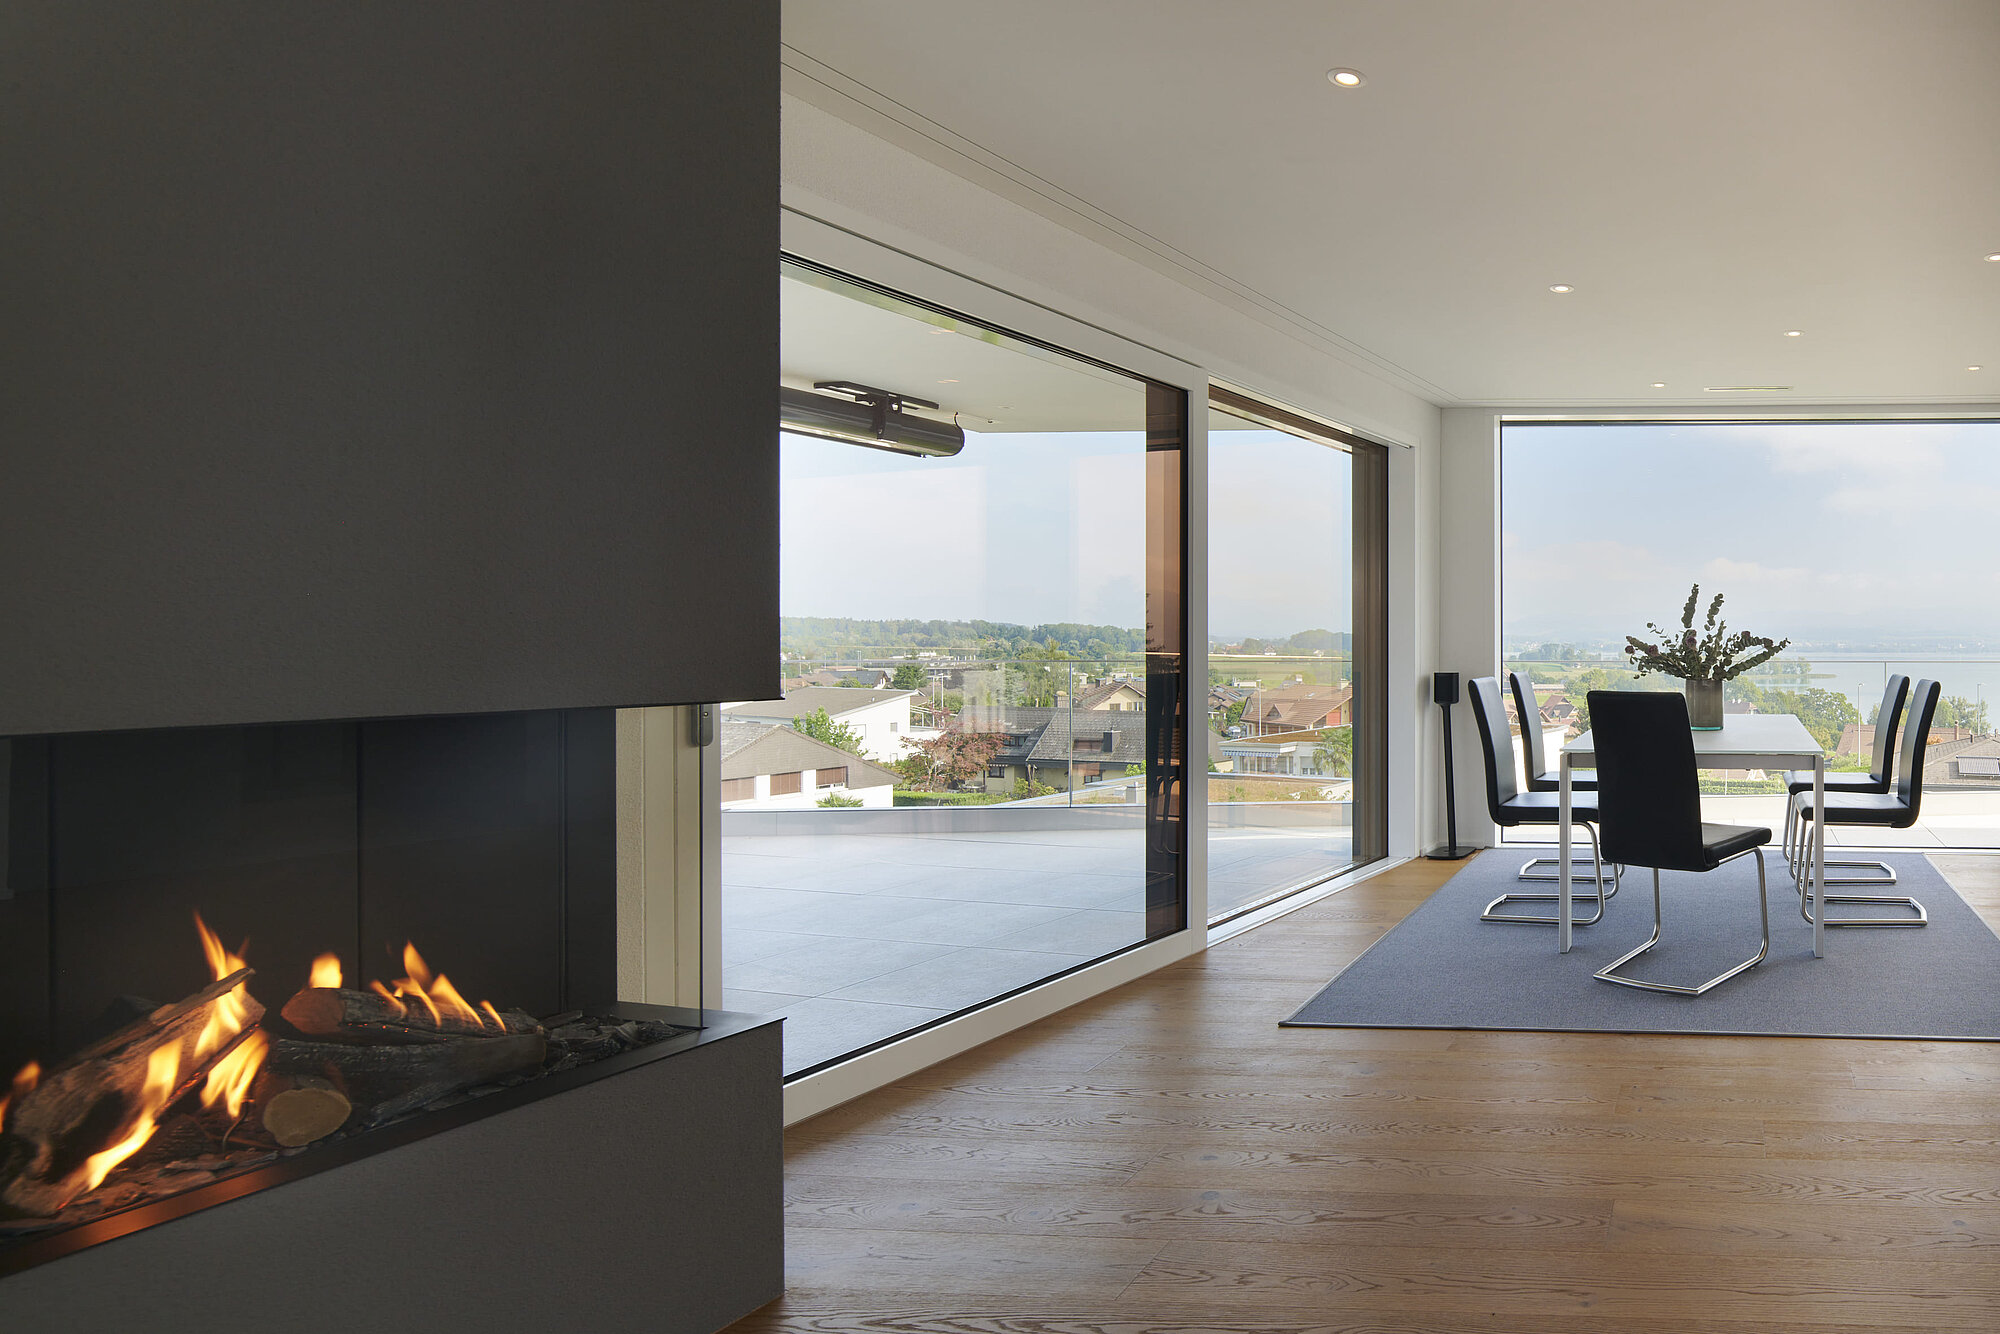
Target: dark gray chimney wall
373	358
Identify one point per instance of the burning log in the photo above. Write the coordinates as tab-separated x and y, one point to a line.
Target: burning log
342	1014
385	1080
66	1132
298	1109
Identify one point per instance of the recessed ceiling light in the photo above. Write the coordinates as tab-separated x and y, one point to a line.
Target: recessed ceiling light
1345	78
1993	258
1561	287
1659	384
1793	333
1744	388
947	382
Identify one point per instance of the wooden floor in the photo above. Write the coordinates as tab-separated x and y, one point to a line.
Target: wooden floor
1167	1158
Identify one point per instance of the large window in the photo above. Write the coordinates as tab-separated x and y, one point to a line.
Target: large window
982	649
1870	545
1296	621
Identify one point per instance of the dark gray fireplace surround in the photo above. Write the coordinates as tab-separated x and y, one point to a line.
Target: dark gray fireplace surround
371	363
648	1200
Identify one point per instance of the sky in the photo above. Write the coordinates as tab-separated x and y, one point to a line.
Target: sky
1861	533
1020	527
1035	528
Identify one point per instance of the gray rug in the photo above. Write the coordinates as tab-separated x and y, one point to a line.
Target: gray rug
1441	967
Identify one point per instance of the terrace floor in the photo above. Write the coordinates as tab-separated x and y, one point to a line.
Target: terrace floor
856	937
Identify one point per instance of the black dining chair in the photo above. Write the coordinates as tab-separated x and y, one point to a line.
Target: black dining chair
1541	778
1799	785
1894	809
1649	801
1510	807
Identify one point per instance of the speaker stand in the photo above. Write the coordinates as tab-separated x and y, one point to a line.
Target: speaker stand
1451	851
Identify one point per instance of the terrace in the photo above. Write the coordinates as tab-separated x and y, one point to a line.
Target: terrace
860	925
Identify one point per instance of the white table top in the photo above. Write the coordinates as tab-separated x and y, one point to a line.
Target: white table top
1760	737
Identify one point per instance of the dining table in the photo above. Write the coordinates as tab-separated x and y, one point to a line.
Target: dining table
1744	741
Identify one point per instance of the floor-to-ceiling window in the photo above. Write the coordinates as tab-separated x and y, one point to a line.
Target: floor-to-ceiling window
1869	544
1296	623
972	782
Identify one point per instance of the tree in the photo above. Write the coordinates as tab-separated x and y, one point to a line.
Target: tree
820	726
1958	711
910	676
1042	671
948	759
838	798
1580	684
1826	713
1335	752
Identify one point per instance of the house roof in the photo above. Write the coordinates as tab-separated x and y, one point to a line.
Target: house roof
1057	742
1296	706
1048	736
1097	694
750	748
836	700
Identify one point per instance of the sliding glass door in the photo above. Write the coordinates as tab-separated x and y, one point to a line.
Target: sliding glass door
972	782
1297	701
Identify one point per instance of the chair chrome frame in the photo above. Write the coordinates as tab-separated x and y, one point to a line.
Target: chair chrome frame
1596	863
1529	873
1608	973
1792	849
1797	857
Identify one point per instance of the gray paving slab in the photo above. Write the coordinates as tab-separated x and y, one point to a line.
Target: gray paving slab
1077	890
1089	933
830	963
961	978
747	944
758	1002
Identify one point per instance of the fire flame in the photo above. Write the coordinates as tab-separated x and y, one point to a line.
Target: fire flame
325	971
390	996
229	1015
228	1081
163	1070
436	993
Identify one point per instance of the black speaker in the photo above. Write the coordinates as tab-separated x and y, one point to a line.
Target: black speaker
1444	690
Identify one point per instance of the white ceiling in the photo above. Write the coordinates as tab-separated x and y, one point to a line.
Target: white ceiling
1707	173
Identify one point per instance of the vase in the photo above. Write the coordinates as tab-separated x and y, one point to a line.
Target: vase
1704	705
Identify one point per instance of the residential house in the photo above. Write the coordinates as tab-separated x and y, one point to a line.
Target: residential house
1298	707
1301	753
773	767
1059	748
1117	695
880	717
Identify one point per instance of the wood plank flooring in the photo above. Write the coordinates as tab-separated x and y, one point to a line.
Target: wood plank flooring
1166	1158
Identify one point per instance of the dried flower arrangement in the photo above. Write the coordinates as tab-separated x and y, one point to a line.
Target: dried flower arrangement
1712	654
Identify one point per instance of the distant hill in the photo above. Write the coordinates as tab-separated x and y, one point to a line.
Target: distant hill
827	636
1330	642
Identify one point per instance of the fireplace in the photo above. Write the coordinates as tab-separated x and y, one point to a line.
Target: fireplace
233	959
